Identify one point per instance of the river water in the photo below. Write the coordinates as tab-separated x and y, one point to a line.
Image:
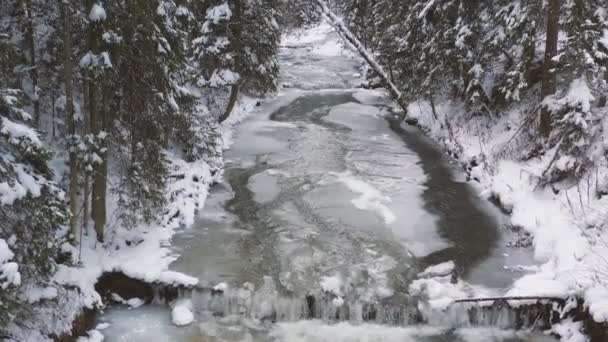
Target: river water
327	207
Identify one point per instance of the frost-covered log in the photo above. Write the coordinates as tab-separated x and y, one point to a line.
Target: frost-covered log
347	35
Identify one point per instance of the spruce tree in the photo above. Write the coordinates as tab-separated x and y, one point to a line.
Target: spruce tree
32	209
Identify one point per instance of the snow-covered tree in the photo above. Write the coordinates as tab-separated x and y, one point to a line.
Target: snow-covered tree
236	47
583	62
31	205
513	37
300	13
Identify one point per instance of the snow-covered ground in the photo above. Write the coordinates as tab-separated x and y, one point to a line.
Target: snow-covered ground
569	228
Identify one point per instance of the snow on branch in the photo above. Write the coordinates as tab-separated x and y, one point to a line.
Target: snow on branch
345	33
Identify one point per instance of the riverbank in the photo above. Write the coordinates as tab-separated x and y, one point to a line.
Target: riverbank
141	254
567	226
565	223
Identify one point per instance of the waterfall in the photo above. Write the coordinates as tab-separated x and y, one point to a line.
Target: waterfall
267	305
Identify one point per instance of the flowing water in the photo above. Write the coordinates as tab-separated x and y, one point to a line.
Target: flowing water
327	213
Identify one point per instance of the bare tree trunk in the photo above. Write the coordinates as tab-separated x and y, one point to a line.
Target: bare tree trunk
31	46
549	82
68	70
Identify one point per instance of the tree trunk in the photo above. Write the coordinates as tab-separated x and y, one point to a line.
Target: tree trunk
234	96
53	117
31	46
236	31
345	33
86	181
529	51
549	82
97	124
68	70
433	109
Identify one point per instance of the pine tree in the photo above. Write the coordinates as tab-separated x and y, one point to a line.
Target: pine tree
300	13
31	205
513	39
583	64
237	47
549	77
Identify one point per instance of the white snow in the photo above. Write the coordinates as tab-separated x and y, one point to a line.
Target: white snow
309	37
92	336
33	294
98	13
5	253
219	13
16	132
370	199
438	293
332	284
337	302
568	240
578	96
221	287
133	303
102	326
9	271
570	331
181	314
487	334
442	269
315	331
604	39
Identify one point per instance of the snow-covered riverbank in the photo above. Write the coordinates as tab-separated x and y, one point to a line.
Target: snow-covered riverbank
568	227
143	253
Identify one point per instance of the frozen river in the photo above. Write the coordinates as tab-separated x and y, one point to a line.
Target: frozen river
324	198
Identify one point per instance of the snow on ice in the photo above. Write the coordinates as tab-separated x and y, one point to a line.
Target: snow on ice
370	199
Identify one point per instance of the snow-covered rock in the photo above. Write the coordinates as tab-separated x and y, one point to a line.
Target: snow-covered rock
442	269
221	287
182	315
92	336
